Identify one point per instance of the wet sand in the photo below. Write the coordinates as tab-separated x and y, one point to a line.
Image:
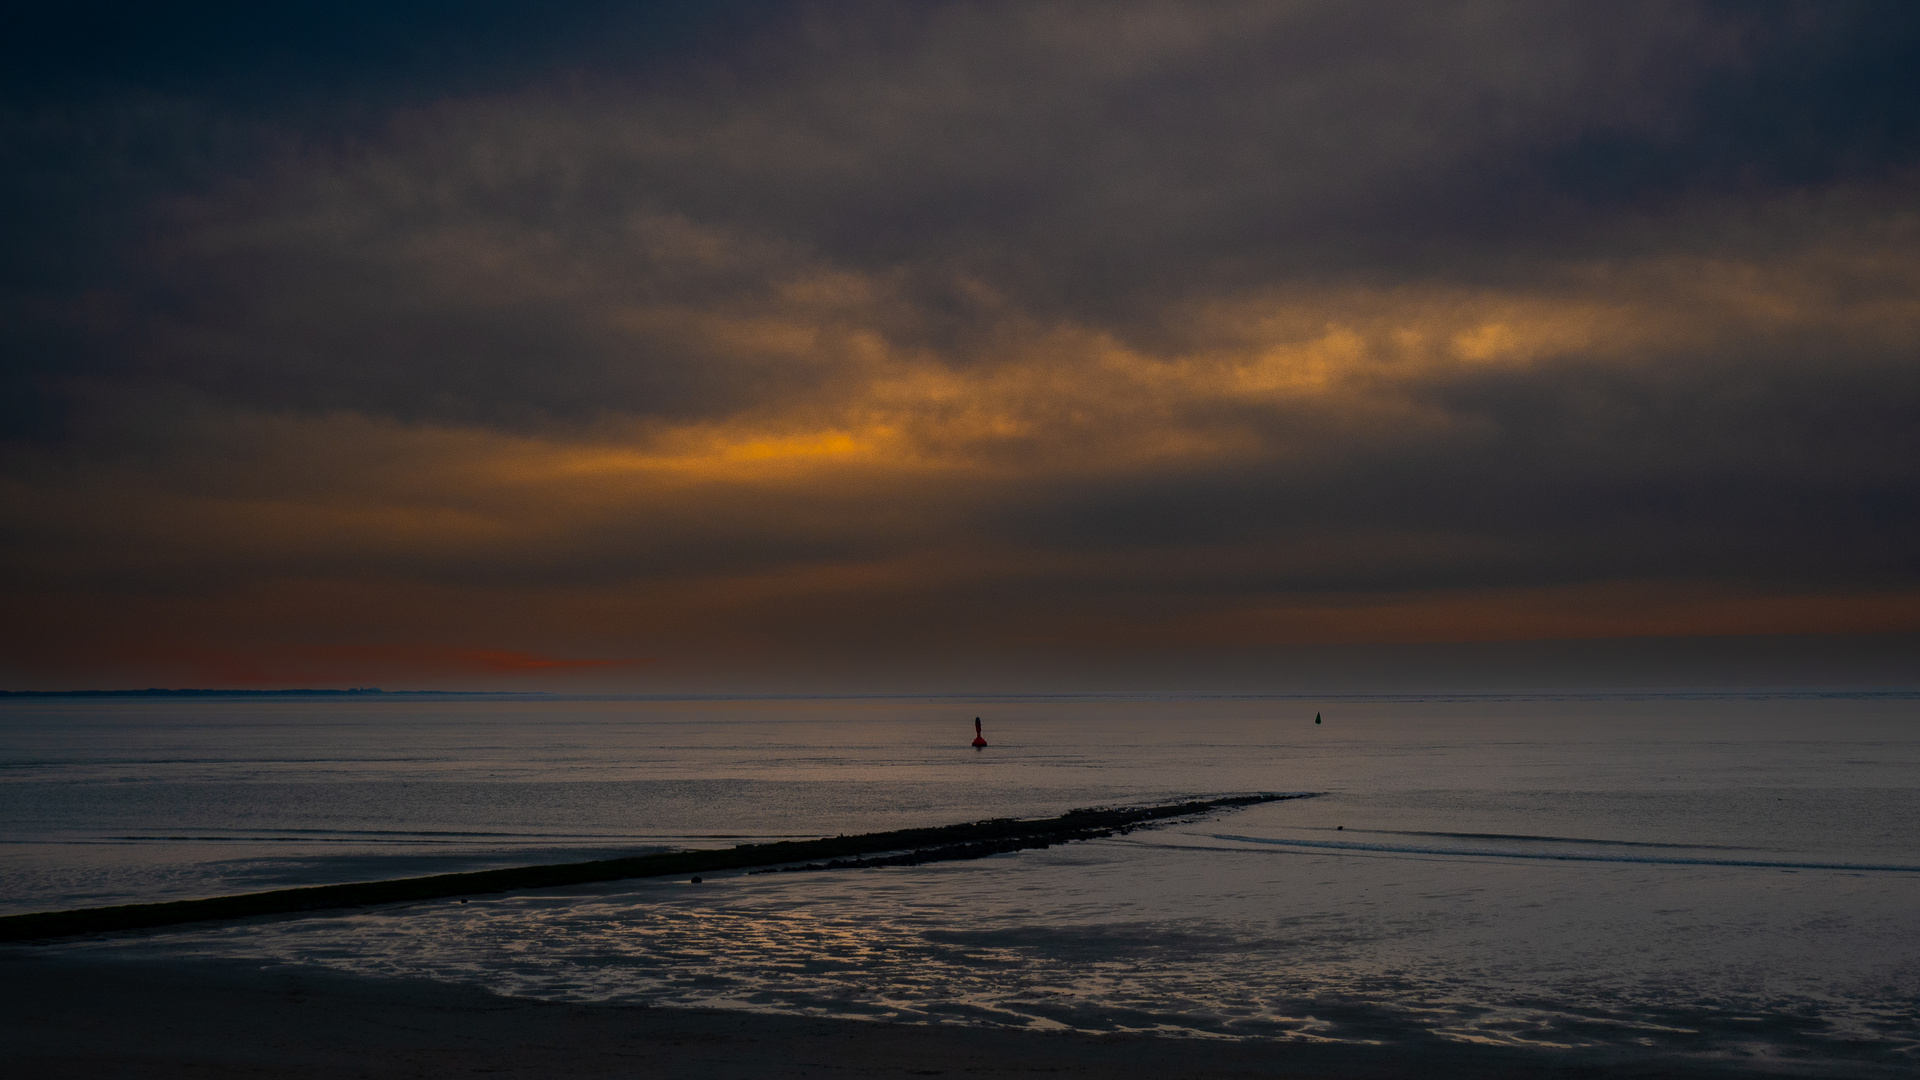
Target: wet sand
66	1016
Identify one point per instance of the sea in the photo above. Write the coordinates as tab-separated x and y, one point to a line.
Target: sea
1715	874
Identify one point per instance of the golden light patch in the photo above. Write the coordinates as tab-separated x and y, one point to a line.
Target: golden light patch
1490	341
1065	398
703	455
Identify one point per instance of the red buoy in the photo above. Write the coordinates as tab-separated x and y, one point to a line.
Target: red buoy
979	740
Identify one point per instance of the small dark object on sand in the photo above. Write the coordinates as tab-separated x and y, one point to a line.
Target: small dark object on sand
695	880
1316	718
979	740
463	901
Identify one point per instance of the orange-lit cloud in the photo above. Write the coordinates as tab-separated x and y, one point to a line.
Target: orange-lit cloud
1042	328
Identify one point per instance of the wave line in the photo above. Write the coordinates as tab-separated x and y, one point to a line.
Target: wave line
1564	856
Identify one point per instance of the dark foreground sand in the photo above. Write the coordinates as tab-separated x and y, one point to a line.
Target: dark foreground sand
62	1016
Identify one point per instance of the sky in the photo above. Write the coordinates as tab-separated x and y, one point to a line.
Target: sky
747	345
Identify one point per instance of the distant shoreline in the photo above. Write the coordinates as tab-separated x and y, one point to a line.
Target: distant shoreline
358	691
1734	693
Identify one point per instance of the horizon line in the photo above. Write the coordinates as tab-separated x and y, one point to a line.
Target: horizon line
1895	692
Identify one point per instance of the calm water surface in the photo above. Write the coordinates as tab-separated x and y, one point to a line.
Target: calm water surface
1720	875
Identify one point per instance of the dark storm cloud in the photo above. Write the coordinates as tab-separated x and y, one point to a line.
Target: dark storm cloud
311	58
1763	454
109	111
851	322
1086	161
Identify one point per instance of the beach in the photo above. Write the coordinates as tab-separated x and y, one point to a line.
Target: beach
63	1017
1652	884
